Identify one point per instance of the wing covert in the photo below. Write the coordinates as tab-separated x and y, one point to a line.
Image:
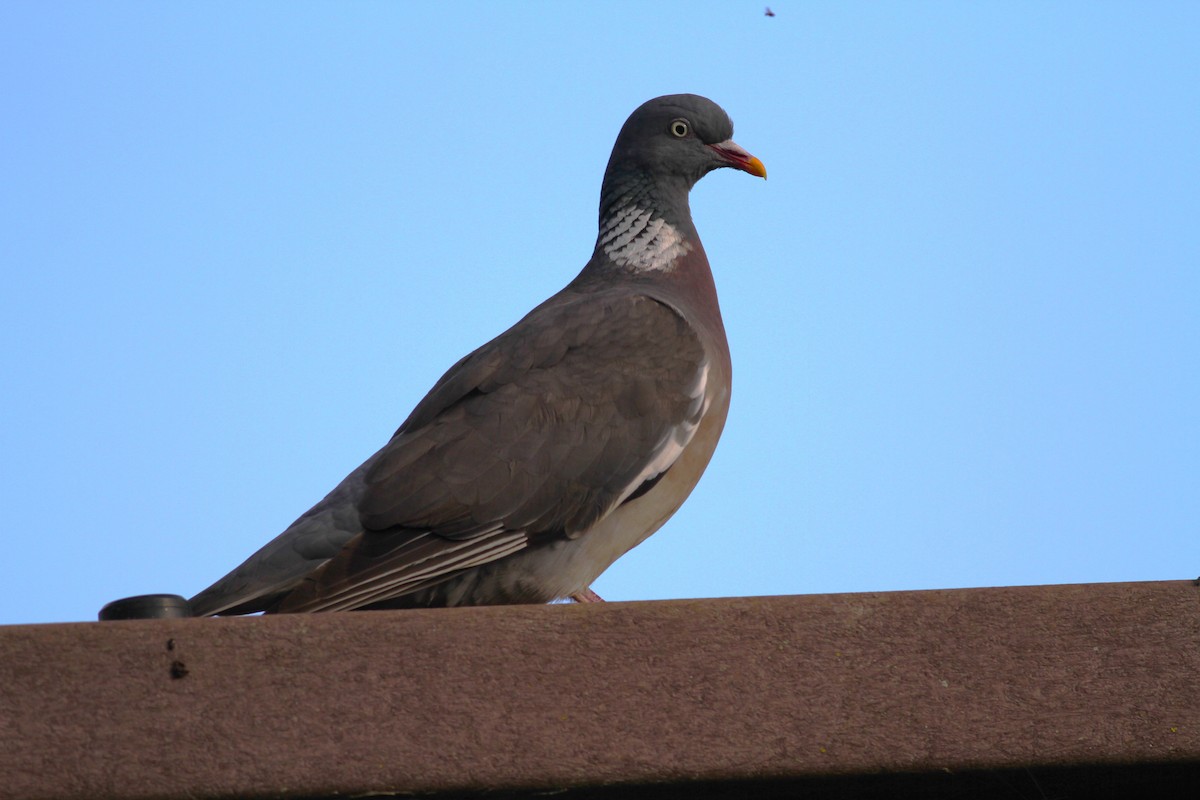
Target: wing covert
549	426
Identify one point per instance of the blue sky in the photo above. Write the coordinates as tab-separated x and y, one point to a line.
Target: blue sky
240	241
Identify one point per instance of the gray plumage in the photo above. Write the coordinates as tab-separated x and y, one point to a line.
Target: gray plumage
546	454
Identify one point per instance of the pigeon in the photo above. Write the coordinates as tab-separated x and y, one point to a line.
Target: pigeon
545	455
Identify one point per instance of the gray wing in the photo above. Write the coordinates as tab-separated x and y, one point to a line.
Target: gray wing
536	435
317	536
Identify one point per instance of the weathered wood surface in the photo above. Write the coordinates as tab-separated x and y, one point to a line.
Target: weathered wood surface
548	697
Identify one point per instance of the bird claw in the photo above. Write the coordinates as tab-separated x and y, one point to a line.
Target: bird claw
587	596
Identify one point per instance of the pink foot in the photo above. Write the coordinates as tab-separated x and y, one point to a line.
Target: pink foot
587	596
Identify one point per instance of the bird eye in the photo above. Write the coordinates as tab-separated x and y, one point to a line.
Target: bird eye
679	128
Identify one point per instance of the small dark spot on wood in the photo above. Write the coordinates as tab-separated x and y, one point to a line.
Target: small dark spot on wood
178	670
170	644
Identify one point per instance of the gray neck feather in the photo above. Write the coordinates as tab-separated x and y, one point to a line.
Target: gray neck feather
644	225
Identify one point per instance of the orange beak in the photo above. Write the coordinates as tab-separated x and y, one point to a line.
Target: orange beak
735	156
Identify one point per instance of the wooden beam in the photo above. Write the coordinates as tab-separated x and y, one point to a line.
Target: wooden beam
691	692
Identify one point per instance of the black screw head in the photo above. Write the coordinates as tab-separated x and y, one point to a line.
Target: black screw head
147	606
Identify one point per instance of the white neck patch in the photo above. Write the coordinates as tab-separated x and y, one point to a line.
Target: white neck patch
633	239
